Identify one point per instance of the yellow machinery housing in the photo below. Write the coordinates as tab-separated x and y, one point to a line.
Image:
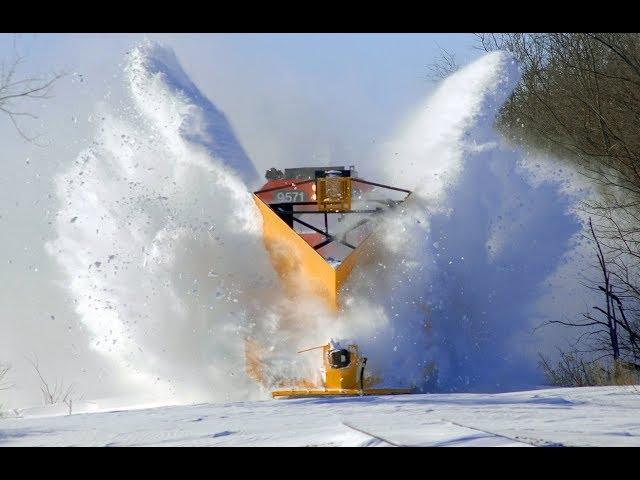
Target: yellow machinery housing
303	269
343	376
333	193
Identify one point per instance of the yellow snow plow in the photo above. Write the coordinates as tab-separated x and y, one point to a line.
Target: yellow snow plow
343	375
297	208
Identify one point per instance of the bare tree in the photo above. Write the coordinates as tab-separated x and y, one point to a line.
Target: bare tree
578	97
4	370
4	384
53	393
443	66
572	370
609	340
16	89
578	100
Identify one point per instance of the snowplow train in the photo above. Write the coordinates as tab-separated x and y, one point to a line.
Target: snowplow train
301	208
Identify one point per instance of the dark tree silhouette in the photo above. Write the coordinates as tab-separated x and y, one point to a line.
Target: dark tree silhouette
16	89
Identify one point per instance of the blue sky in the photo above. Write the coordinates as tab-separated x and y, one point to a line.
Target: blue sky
287	95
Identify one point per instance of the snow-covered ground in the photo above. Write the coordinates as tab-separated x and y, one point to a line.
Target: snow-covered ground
594	416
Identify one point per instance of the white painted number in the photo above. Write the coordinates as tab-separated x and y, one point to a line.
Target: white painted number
290	196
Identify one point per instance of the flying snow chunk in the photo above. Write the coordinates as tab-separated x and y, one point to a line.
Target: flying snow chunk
202	123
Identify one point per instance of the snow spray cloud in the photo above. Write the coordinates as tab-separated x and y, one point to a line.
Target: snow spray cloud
457	272
160	238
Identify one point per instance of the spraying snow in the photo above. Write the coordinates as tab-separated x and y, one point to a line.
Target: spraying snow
159	236
161	243
457	274
162	246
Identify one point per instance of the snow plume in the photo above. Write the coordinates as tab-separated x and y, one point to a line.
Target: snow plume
457	272
162	92
162	246
160	237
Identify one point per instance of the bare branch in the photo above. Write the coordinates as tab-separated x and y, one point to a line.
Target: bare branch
4	370
444	66
14	92
52	393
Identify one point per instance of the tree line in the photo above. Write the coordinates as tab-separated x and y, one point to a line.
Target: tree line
578	100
